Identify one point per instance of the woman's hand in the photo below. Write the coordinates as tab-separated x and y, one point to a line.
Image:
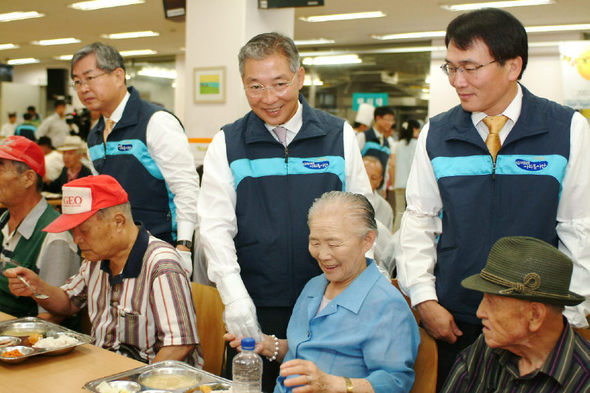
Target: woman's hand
309	378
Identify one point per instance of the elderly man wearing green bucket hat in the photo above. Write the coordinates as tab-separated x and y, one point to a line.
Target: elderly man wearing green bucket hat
526	345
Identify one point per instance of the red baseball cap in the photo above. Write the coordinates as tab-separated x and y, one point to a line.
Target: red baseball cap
82	198
21	149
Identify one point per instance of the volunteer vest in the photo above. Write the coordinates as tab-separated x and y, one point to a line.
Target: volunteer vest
127	159
483	202
275	187
373	147
26	253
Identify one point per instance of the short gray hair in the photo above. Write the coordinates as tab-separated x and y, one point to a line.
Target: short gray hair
267	44
124	208
107	57
21	168
357	208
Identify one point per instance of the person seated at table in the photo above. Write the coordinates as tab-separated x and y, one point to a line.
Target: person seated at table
138	295
51	255
73	150
527	345
351	330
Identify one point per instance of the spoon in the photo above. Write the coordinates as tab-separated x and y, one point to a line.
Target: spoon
37	295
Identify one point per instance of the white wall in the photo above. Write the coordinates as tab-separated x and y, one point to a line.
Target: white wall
16	97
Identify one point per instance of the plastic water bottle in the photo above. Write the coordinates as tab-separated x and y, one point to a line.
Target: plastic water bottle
247	369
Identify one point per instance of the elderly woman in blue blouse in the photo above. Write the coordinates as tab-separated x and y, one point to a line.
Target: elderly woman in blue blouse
351	330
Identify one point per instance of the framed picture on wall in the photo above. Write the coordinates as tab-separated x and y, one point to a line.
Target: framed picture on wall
209	85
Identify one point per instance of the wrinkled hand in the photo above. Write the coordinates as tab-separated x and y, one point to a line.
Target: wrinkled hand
187	261
438	322
265	342
308	377
240	319
16	286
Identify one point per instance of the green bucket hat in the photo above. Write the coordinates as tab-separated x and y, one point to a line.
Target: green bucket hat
526	268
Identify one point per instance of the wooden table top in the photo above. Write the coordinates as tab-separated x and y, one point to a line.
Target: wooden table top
63	373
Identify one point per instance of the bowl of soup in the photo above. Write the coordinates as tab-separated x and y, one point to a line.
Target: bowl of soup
173	379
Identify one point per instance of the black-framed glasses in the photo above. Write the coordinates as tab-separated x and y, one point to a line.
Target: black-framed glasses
467	69
279	87
88	81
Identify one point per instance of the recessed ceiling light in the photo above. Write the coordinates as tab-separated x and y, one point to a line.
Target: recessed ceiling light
330	60
57	41
157	72
308	82
98	4
349	16
403	36
8	46
495	4
315	41
131	34
64	57
138	52
552	28
25	60
19	15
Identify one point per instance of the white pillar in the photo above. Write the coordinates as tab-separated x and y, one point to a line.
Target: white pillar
215	32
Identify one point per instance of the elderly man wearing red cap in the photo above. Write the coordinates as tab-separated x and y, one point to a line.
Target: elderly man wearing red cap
53	256
137	292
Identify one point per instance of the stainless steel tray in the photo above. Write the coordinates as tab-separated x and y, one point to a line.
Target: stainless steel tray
22	328
203	377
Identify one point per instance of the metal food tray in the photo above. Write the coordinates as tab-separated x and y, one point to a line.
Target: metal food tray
22	328
204	377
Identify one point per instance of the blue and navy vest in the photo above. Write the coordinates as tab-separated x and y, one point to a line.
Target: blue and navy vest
275	188
373	147
127	159
483	202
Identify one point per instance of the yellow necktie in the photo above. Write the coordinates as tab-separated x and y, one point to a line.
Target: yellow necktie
494	124
107	129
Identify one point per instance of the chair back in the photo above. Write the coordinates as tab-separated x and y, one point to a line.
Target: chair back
426	366
416	315
210	326
584	332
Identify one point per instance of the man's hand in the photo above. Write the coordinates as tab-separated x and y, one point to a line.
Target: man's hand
240	319
438	322
17	287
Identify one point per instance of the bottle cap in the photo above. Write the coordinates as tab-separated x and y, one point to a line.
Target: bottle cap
248	343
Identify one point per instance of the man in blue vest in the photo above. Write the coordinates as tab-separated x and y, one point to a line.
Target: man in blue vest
141	145
502	163
261	175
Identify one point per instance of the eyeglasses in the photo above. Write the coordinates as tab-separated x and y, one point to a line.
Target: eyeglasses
88	81
468	69
258	89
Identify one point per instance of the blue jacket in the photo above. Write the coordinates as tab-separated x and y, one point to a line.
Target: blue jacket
127	159
483	202
275	186
373	147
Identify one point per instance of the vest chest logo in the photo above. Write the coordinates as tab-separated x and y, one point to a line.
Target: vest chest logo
316	165
532	166
124	146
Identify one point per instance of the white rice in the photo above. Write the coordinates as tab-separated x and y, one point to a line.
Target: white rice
55	342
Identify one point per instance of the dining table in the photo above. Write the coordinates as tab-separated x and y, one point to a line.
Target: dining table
67	372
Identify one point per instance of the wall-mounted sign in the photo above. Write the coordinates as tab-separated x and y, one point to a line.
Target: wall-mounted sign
375	99
575	68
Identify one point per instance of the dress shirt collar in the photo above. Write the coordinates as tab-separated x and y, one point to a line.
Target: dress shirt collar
118	112
134	262
512	111
555	366
353	296
293	125
28	224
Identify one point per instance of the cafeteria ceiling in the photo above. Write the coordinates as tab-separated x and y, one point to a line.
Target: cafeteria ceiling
61	21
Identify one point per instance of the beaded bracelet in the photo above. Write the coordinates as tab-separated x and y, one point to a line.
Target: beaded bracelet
276	353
